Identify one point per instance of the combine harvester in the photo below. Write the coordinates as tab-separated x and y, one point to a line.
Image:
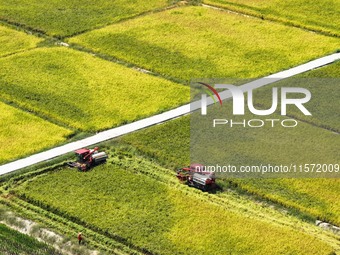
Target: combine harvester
197	176
88	158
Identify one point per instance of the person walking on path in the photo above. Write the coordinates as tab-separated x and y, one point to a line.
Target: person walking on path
80	237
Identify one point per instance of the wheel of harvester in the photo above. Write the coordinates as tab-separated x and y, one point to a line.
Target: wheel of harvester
87	166
190	184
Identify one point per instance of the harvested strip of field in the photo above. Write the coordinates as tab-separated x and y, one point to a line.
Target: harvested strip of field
22	133
83	91
13	41
320	15
65	18
186	43
159	217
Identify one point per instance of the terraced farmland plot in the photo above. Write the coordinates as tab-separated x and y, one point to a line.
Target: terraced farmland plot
12	242
83	91
64	18
319	15
159	217
194	42
12	41
22	133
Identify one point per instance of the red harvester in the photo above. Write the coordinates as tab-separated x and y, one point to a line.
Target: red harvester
196	176
88	158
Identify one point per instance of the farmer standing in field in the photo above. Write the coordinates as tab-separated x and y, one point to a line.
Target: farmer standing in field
80	237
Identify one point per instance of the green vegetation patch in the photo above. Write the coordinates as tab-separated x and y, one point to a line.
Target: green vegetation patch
83	91
13	41
159	217
319	15
186	43
13	242
22	133
65	18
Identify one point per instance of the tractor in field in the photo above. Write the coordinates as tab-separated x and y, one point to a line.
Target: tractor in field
196	176
88	158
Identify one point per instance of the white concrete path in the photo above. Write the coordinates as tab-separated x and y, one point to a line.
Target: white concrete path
159	118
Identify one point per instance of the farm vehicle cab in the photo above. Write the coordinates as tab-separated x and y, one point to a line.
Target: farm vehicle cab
196	176
88	158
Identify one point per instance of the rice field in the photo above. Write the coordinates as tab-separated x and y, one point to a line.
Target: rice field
323	85
62	18
83	91
321	16
22	41
186	43
307	144
159	217
22	133
134	203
